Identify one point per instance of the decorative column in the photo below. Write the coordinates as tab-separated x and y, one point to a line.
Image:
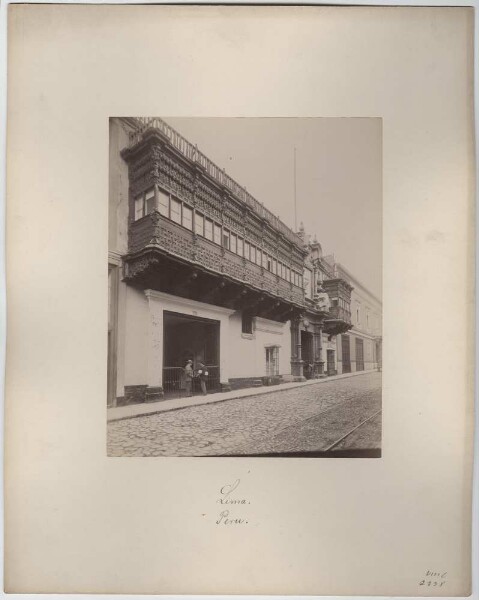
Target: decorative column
318	351
225	344
154	350
296	358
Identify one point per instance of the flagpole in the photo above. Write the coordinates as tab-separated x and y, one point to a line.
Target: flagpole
295	205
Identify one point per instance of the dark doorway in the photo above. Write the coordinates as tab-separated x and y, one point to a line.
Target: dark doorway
359	355
331	368
345	354
307	354
189	338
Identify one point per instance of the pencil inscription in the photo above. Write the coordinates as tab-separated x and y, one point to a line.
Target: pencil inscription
434	578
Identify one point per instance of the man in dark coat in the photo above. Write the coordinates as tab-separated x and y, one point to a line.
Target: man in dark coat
202	374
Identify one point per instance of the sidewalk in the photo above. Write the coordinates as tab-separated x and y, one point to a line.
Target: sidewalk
140	410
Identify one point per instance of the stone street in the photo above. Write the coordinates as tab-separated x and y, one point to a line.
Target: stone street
341	417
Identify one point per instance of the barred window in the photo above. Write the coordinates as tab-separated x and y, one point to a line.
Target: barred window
272	361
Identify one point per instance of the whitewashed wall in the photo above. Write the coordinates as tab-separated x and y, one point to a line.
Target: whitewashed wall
248	355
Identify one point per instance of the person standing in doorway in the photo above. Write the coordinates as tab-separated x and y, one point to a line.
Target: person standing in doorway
189	377
202	374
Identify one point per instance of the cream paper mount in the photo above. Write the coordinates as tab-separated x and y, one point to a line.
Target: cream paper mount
79	521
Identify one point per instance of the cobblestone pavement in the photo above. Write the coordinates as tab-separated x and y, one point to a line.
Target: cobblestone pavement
305	419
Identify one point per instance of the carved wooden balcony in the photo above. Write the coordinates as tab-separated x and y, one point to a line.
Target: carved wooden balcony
165	256
339	317
149	126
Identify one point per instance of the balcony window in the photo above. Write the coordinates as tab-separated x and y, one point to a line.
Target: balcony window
239	248
288	274
253	253
138	207
275	265
247	249
144	204
233	243
226	239
164	204
208	229
199	224
265	260
150	201
217	234
175	211
187	217
258	257
269	264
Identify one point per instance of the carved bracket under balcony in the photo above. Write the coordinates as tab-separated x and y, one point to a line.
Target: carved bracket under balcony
140	267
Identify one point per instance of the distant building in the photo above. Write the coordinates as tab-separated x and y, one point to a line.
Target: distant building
200	270
360	349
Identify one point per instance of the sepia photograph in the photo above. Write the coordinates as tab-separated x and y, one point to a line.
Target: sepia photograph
244	278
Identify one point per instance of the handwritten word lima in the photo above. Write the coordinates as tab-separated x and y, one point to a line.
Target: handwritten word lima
227	498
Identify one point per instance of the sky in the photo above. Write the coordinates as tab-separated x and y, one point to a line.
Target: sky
338	178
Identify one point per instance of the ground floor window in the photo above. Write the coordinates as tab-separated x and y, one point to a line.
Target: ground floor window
246	323
272	361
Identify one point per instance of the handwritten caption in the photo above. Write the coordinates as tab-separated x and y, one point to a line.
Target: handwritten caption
230	498
434	579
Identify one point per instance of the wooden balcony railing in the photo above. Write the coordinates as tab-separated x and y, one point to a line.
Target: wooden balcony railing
191	152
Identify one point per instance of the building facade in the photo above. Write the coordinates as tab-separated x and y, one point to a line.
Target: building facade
200	270
360	349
